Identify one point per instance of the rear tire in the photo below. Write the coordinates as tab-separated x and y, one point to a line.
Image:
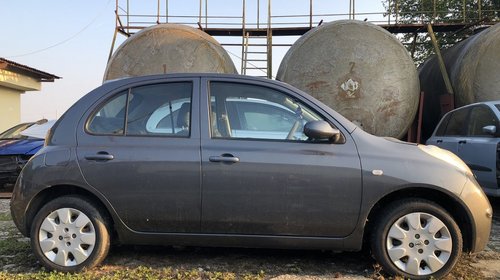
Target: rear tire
70	234
416	239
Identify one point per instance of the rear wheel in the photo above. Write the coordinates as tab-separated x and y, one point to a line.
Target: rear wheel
69	234
416	239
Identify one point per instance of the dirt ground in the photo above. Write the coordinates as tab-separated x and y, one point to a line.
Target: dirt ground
17	260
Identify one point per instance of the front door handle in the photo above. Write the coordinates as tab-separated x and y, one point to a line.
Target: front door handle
100	156
462	142
439	141
227	158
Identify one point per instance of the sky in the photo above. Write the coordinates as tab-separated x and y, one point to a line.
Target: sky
72	39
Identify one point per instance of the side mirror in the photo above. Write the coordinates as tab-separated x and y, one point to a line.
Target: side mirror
490	129
321	130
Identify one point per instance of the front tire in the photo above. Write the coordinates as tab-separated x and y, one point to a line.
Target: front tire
69	234
416	239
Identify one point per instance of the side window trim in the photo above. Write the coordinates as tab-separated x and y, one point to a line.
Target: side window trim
127	104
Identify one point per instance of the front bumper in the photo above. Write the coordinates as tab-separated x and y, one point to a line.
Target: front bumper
481	214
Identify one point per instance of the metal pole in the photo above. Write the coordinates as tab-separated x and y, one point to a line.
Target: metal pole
166	11
390	12
206	13
464	9
128	19
420	116
158	13
434	13
397	11
269	43
479	9
310	13
353	9
442	66
114	34
414	44
199	17
258	13
243	29
350	8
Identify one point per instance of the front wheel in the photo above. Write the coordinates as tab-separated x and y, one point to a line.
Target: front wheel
416	239
69	234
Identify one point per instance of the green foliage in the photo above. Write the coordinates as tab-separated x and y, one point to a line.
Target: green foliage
439	11
5	217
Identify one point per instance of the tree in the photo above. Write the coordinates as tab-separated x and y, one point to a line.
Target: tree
439	11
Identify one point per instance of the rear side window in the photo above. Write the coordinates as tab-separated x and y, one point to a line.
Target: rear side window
151	110
163	109
457	123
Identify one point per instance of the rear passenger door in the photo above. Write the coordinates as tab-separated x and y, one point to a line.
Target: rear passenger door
140	149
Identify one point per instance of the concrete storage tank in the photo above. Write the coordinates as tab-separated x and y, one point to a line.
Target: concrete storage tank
168	48
473	66
360	70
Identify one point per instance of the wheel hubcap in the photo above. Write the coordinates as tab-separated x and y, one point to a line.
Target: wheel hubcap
419	243
67	237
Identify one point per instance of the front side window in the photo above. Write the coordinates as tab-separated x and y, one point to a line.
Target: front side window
256	112
480	117
442	126
457	123
151	110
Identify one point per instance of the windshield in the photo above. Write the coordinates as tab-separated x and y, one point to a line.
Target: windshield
15	132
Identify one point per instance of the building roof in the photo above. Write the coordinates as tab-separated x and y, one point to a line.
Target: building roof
26	70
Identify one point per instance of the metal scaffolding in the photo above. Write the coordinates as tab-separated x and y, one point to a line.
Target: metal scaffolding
255	36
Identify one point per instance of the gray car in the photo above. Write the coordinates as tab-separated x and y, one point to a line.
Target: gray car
472	133
228	160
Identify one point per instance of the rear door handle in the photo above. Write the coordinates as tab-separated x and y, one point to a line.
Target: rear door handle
462	142
100	156
228	158
439	141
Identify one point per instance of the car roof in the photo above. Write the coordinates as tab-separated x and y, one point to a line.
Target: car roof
491	104
126	80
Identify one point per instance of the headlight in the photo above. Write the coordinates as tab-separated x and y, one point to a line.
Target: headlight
446	156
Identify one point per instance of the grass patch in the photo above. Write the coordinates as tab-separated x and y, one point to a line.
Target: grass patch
13	251
5	216
141	272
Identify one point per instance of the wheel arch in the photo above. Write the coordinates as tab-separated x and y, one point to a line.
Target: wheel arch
445	200
55	191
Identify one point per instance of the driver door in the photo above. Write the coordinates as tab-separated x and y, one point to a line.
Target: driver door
260	173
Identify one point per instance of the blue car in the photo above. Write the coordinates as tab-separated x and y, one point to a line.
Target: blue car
17	147
472	132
